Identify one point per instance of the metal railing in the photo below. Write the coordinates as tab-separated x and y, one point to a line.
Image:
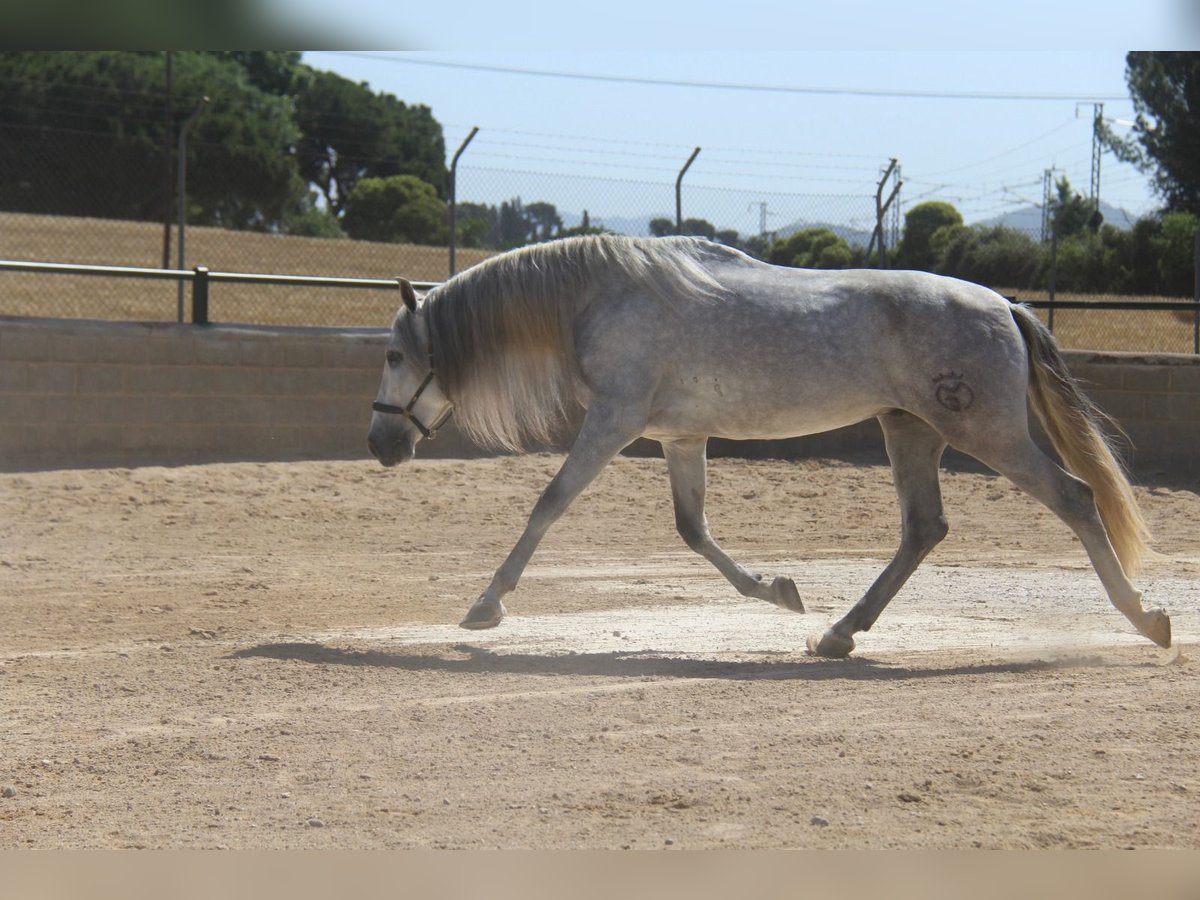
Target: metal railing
201	278
1190	306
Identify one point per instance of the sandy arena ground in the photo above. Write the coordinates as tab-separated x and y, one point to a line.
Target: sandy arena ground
250	655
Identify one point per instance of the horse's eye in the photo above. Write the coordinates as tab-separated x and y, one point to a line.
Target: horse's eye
393	358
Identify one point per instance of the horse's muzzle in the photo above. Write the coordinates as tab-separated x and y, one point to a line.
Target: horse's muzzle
390	453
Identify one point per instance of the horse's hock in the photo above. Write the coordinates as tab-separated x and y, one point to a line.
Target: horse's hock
81	393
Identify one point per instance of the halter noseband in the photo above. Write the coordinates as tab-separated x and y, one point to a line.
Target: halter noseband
407	411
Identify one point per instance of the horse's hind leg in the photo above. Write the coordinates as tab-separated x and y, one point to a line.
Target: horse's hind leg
1072	501
915	450
686	464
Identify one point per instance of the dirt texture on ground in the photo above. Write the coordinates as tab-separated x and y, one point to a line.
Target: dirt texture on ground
265	655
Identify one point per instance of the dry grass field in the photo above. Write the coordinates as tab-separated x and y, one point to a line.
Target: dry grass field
106	242
101	241
1152	331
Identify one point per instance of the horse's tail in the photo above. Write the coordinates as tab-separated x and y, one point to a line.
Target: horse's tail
1076	428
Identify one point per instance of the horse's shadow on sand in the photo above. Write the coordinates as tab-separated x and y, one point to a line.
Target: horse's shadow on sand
470	659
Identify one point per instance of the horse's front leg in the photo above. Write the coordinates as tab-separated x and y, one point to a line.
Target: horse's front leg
605	432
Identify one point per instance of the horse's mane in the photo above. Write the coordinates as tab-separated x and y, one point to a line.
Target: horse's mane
502	332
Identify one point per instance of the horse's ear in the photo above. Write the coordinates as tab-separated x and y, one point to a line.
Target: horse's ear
408	295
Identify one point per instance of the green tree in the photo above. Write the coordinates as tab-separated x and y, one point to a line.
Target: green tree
544	221
349	132
241	170
1072	213
920	224
276	72
397	209
478	224
1176	253
308	219
812	248
997	257
512	224
1154	257
1165	88
471	232
585	227
699	228
81	133
661	226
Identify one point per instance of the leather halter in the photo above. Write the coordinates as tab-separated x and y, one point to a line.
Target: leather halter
407	411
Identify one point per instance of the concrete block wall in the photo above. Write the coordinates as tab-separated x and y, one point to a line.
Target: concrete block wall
88	393
83	394
1156	401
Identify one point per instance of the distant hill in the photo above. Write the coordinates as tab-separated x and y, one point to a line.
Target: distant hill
1029	219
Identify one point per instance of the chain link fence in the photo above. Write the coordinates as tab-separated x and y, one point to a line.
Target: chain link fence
25	236
1131	328
497	208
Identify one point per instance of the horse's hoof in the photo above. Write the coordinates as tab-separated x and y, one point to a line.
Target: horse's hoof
1156	625
483	614
785	595
830	645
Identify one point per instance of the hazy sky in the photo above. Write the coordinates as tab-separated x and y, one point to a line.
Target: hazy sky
783	99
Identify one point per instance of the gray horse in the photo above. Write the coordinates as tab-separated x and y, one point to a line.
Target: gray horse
680	340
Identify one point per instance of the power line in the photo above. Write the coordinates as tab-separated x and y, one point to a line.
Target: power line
684	148
729	86
1003	153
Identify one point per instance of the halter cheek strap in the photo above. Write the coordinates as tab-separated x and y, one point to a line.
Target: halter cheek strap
407	411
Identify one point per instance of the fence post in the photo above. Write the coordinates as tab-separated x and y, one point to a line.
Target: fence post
1196	294
880	208
181	189
454	198
679	191
199	296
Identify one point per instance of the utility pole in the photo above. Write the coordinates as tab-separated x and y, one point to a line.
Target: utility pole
762	216
1047	196
1097	150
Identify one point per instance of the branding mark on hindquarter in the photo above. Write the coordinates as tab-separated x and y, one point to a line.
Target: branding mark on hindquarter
952	392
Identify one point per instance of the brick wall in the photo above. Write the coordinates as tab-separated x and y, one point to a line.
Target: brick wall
92	394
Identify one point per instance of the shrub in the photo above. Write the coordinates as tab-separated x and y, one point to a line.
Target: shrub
398	209
920	224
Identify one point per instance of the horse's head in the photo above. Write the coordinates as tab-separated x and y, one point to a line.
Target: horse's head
410	404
